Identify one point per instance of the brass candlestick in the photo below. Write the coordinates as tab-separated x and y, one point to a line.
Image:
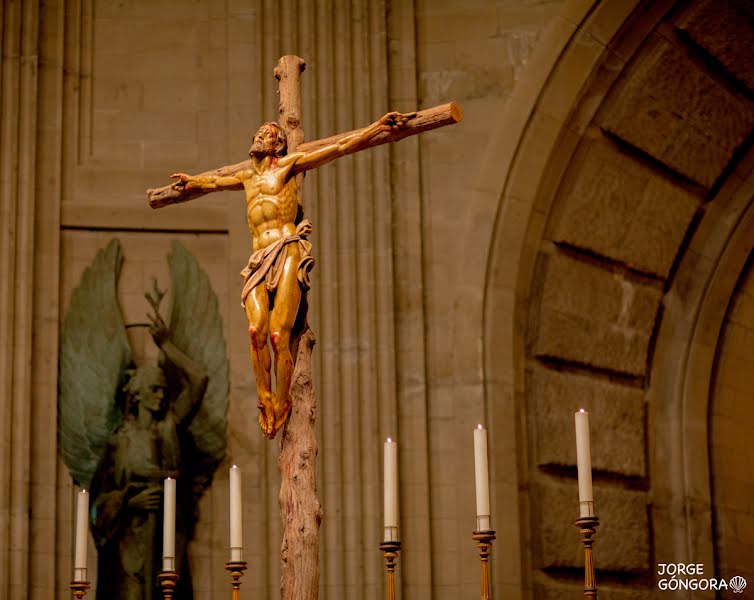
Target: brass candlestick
168	580
484	543
79	588
587	528
390	550
236	569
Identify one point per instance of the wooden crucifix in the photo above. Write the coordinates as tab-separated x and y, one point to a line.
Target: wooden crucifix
277	276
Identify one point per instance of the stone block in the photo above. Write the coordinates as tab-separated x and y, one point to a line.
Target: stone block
612	205
622	540
670	108
616	417
724	29
118	93
593	316
479	24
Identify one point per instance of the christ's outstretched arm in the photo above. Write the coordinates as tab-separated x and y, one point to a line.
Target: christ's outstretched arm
349	143
208	183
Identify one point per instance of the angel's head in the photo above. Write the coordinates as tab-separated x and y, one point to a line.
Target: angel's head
145	388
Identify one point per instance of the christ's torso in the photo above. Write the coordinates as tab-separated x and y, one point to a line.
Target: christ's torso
271	205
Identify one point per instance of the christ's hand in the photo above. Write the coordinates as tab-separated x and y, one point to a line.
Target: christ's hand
182	179
396	120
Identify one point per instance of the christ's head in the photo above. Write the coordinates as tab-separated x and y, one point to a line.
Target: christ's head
269	140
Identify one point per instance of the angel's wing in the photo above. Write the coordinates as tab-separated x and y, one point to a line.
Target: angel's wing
94	354
196	328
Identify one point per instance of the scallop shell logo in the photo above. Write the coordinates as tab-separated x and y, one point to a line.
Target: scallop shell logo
737	584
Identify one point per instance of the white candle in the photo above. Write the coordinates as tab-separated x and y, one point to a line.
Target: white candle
481	472
82	511
391	491
584	464
168	526
236	518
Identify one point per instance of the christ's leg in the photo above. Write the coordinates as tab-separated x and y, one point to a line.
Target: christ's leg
257	311
287	299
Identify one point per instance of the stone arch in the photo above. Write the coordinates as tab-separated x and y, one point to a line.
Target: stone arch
730	422
683	367
556	289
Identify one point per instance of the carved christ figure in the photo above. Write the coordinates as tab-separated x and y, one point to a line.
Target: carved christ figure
277	273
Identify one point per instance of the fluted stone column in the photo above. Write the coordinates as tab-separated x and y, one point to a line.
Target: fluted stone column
24	375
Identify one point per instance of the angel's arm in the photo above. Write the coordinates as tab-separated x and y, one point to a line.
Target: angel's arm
196	377
197	380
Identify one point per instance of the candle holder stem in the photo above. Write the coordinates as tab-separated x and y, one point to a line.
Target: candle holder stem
236	569
587	528
79	589
484	543
390	550
168	580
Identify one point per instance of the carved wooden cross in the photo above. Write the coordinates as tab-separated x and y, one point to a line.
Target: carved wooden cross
300	509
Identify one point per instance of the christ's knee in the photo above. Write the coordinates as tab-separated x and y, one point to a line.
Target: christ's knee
257	336
280	340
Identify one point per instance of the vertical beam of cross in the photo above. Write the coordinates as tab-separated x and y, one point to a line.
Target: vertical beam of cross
300	509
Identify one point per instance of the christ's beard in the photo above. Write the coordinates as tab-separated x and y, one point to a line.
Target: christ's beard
258	150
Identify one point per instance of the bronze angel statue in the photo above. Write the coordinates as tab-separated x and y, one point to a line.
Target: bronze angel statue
124	428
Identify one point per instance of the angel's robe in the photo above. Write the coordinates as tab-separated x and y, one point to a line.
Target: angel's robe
129	540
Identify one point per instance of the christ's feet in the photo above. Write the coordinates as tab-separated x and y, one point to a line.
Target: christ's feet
271	416
267	414
281	418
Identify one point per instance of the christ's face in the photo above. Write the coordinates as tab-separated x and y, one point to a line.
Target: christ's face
264	141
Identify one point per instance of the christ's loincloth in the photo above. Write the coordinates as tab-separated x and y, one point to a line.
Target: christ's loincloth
267	263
